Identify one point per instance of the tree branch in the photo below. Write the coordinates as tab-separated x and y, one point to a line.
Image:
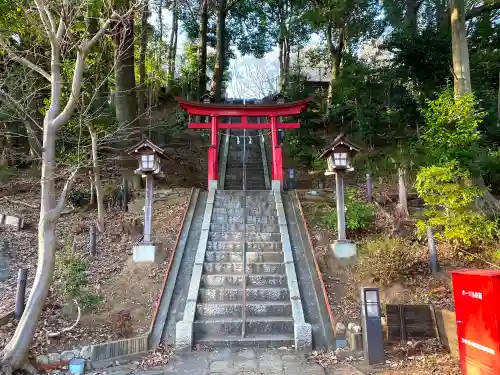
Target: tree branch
62	25
56	212
232	5
477	11
66	113
46	22
23	61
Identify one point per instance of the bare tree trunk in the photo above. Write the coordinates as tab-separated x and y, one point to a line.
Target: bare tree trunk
336	54
33	140
16	351
442	17
202	49
101	210
411	16
142	61
284	57
172	52
218	72
402	207
498	100
461	67
125	95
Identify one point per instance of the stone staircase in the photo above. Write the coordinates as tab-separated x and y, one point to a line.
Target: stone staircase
254	168
234	307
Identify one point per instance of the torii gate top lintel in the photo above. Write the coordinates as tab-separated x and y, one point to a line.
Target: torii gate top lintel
218	111
271	110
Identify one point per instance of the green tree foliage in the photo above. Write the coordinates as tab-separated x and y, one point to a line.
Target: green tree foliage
449	197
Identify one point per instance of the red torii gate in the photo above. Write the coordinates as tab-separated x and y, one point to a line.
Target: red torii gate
218	111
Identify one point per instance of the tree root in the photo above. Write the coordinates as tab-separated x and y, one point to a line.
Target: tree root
67	329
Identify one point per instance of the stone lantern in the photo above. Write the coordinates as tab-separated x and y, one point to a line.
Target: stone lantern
149	157
339	155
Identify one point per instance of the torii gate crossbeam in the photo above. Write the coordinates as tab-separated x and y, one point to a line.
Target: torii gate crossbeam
218	111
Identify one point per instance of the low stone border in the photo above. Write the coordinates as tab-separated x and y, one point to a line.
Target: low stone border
184	328
163	298
302	330
316	264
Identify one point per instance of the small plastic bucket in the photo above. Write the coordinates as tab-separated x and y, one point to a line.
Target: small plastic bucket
77	366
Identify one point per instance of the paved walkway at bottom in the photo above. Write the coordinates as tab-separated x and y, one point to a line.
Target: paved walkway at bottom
250	362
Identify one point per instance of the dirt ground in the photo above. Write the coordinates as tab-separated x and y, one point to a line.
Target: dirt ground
123	285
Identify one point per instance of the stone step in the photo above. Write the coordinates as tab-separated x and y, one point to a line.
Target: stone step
238	227
229	280
220	294
238	236
249	341
253	325
238	219
219	309
220	268
230	201
234	309
264	210
236	279
264	257
223	256
253	294
266	280
258	268
237	246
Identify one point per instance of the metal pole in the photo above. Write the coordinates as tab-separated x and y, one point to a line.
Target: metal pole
369	187
433	261
148	208
22	277
125	195
93	242
339	185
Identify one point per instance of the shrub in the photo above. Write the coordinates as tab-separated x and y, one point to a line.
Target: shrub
449	196
386	260
6	173
79	197
111	193
359	214
71	274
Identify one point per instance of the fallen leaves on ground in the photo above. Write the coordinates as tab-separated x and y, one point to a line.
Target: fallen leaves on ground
158	357
114	250
422	358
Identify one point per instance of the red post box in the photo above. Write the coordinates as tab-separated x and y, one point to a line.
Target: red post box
477	308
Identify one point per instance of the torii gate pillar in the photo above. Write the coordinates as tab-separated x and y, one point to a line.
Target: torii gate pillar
217	111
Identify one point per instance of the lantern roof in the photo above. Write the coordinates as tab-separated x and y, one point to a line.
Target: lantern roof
146	144
340	140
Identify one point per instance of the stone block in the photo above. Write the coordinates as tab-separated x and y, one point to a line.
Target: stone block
344	250
202	246
144	253
195	282
303	337
12	221
183	336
